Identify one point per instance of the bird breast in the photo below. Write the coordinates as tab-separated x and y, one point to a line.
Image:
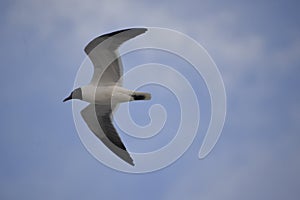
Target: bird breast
106	95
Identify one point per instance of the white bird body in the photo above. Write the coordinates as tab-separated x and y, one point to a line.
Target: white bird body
104	95
105	90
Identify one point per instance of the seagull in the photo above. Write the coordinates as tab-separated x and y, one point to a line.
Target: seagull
105	90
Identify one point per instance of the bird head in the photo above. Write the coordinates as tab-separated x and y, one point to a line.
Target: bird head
76	94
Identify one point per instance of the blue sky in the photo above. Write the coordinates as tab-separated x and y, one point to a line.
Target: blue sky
256	46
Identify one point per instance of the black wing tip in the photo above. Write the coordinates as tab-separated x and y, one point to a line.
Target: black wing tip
123	154
91	46
137	30
141	30
131	163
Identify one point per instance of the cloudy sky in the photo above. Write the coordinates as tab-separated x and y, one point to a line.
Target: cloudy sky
256	47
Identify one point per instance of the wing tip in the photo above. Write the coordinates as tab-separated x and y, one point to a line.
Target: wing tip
91	45
122	154
131	163
125	156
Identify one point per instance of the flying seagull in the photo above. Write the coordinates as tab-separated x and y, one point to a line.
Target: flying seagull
105	90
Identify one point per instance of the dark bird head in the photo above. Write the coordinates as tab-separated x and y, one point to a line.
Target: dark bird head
76	94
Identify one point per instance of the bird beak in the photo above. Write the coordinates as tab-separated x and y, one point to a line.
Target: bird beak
68	98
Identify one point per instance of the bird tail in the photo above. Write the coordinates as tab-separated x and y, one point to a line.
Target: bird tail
141	96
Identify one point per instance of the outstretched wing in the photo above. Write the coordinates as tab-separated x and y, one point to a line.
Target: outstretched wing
98	119
103	53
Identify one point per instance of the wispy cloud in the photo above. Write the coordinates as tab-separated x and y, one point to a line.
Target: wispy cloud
257	154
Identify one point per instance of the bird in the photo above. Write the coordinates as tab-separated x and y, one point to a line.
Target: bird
105	91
